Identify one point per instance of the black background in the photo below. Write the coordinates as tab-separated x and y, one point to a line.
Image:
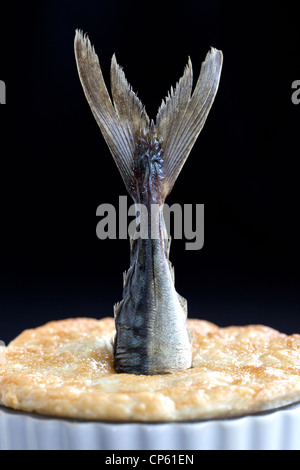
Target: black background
56	168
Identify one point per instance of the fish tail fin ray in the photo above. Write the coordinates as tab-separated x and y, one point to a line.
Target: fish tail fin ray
182	115
118	120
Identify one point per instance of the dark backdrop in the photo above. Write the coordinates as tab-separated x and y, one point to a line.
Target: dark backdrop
56	168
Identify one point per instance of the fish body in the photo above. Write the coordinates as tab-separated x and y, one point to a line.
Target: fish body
151	328
152	336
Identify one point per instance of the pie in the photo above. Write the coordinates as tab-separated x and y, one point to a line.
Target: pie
65	368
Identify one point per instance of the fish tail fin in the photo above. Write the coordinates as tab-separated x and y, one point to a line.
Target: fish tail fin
182	115
124	122
119	120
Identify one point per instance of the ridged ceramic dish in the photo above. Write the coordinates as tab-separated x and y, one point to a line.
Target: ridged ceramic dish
277	430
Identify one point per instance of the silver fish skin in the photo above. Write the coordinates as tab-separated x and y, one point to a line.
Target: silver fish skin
151	319
152	335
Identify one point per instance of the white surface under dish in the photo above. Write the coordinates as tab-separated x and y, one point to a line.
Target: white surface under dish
276	430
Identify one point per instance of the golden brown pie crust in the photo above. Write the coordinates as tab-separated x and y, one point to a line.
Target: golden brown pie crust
65	368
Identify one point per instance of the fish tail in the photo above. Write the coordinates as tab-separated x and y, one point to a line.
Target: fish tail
126	127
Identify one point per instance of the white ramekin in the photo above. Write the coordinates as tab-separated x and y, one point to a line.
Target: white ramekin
276	430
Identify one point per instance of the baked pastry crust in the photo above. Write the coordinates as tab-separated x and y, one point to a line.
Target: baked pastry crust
65	368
